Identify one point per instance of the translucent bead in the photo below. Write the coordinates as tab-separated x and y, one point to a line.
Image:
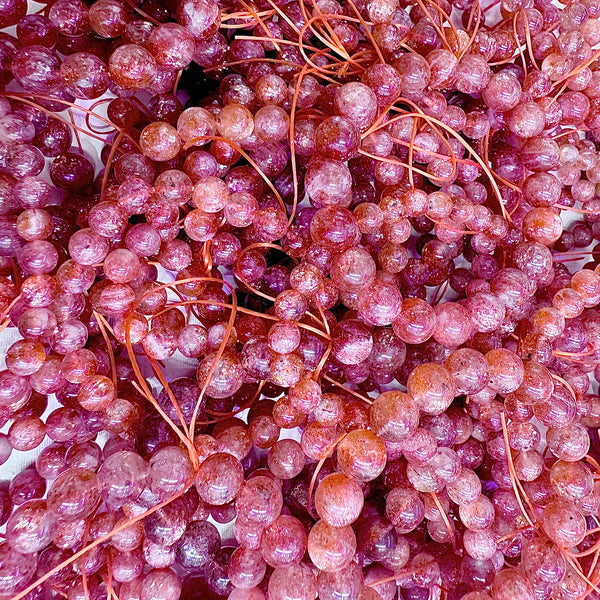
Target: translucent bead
26	433
509	584
506	370
571	480
27	485
96	393
431	387
570	443
29	529
343	584
503	92
469	370
328	182
292	582
219	478
563	524
226	377
286	459
337	138
166	525
122	477
160	142
16	569
259	501
235	122
356	102
74	494
170	470
380	303
543	225
198	546
416	322
414	72
331	548
161	584
362	455
478	514
339	500
465	489
247	568
132	67
107	18
543	561
472	74
283	542
352	342
84	75
453	325
171	45
394	416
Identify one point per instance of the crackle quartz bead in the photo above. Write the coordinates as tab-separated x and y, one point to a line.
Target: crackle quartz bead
226	377
503	92
107	18
466	488
171	45
416	322
571	480
380	303
168	524
352	342
170	470
337	138
472	74
469	370
506	370
353	270
477	515
356	102
328	182
543	225
84	75
160	142
335	227
235	122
